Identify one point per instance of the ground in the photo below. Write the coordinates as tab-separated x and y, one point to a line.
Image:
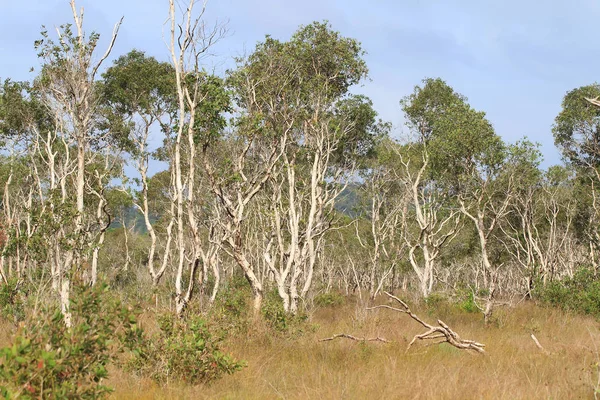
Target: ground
301	367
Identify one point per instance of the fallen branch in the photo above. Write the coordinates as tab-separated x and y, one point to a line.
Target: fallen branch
538	345
358	339
442	331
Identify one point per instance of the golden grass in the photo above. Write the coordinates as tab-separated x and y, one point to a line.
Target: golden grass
514	368
6	331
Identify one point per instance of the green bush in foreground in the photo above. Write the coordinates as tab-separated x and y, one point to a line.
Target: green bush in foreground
48	360
184	351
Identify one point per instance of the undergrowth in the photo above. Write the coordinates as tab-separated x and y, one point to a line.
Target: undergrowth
579	294
49	360
184	350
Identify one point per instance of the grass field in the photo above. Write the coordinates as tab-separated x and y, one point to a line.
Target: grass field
303	368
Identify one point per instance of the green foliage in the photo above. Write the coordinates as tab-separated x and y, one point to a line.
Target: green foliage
438	305
329	299
185	351
302	86
327	58
459	140
580	294
48	360
276	317
466	301
49	223
577	127
12	300
209	120
231	304
435	300
230	312
356	119
523	167
136	83
273	312
21	109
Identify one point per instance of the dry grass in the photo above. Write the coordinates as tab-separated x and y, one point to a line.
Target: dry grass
6	331
514	368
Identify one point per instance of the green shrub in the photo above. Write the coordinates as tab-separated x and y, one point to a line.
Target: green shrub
230	310
329	299
48	360
184	351
280	321
466	301
12	300
439	305
273	312
435	300
579	294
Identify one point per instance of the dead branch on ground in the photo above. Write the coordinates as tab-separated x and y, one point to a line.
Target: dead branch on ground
442	331
358	339
538	345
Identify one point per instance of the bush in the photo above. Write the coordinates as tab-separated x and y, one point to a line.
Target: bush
273	312
184	351
436	300
329	299
280	321
466	301
48	360
230	310
12	300
579	294
438	304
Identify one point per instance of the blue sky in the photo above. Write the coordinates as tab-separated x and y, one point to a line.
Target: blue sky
513	59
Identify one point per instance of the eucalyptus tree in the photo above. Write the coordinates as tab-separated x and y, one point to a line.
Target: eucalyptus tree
20	116
141	91
471	160
298	92
577	134
30	128
67	84
430	112
540	230
577	128
384	201
201	101
558	247
238	162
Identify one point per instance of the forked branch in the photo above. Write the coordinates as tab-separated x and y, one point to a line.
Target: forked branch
595	101
442	331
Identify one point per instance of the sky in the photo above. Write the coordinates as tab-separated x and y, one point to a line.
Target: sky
513	59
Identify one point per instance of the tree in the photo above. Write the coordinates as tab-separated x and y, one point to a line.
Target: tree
436	116
577	134
577	127
201	101
141	91
386	201
464	141
539	232
67	80
298	92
